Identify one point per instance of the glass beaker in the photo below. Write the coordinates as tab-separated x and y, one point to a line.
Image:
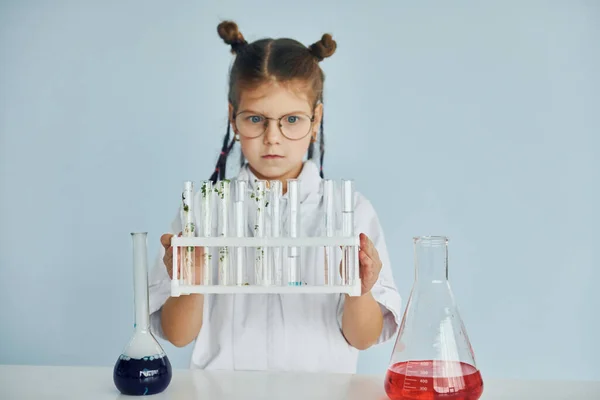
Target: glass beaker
143	367
432	358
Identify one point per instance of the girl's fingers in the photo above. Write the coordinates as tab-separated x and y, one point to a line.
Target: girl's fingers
366	244
368	273
370	248
168	256
165	241
168	261
365	260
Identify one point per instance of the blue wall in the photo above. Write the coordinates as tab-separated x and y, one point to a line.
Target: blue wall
475	121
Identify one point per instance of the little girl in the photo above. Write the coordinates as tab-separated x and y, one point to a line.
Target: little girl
276	110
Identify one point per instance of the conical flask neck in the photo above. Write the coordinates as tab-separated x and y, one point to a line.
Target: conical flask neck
431	259
140	281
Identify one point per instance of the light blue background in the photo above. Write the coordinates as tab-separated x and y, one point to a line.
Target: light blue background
476	121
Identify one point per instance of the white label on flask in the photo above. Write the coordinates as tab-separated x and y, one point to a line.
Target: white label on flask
147	373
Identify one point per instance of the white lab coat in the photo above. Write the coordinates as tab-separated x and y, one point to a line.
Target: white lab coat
293	332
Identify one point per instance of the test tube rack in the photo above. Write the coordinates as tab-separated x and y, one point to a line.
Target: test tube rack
179	288
231	243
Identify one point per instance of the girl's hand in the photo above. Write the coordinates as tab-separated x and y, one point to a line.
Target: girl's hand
369	263
165	240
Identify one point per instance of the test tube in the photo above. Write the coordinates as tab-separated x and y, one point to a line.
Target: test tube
259	230
294	231
240	224
207	195
348	265
188	256
329	231
223	192
275	270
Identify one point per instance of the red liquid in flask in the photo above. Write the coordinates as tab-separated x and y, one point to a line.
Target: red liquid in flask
433	380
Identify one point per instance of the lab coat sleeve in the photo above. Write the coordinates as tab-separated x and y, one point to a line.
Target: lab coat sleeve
384	291
159	285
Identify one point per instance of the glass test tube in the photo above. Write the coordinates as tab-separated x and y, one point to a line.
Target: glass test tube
240	224
188	254
348	265
223	192
259	230
329	231
275	269
207	195
294	278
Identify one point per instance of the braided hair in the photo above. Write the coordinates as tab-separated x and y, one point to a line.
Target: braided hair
266	59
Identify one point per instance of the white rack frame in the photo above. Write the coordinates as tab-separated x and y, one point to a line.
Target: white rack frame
178	289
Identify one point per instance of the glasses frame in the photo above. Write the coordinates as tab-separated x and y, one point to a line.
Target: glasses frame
310	117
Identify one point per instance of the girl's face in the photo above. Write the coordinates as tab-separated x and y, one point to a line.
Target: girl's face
272	155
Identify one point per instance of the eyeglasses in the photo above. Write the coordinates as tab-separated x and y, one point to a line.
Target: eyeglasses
293	126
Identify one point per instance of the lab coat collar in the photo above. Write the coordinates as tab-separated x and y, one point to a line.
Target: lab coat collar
310	180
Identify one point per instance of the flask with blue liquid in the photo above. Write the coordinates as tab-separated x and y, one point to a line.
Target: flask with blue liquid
143	367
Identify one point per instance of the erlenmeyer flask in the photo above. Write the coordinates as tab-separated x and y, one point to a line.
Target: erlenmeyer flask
432	358
143	367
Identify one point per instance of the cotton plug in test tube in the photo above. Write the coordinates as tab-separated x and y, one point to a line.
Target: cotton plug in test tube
349	270
329	231
294	231
275	270
239	216
223	191
207	195
188	255
259	230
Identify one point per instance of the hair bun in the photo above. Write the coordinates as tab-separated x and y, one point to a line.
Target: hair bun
231	35
323	48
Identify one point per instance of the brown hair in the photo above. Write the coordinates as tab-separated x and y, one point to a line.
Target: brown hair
282	60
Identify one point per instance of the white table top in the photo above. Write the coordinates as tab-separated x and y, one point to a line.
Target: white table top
95	383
